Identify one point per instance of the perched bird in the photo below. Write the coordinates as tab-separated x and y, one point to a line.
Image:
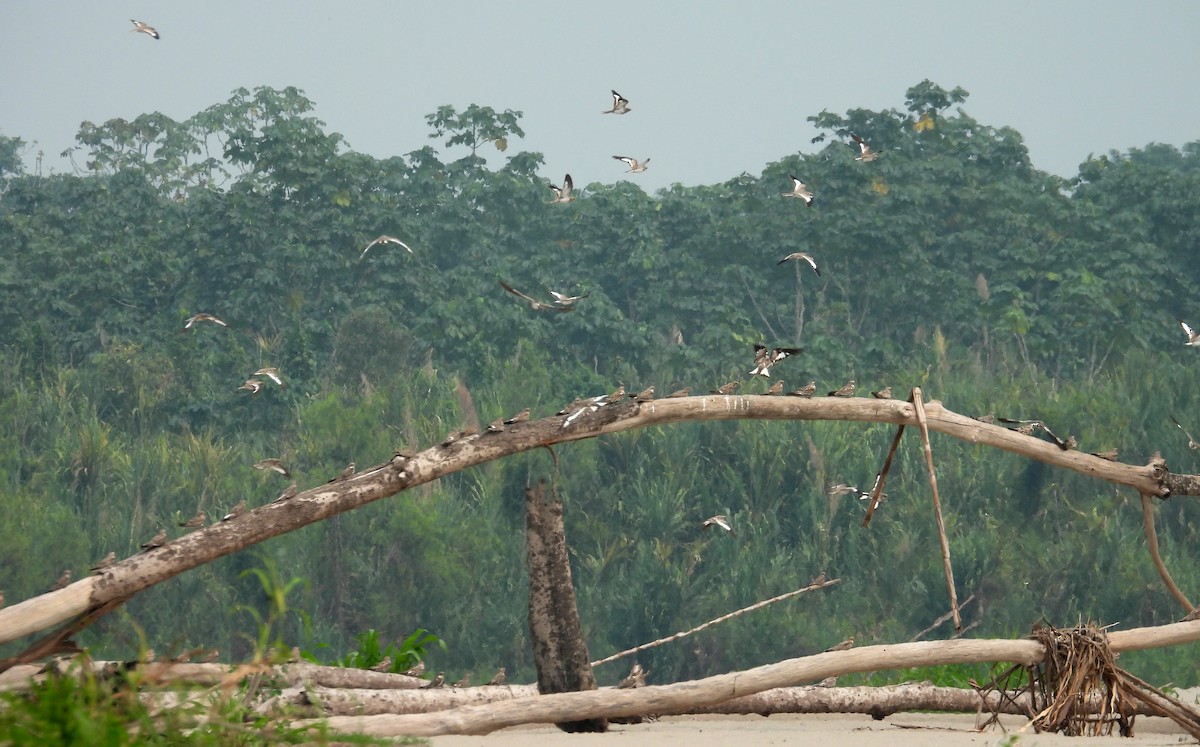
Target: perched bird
1029	427
563	299
800	190
727	388
563	193
520	417
157	540
385	239
416	671
635	166
63	580
202	317
1110	455
865	151
885	393
271	373
144	28
635	678
496	426
843	646
1192	443
346	473
235	512
804	256
1193	339
105	562
989	418
616	396
274	465
288	493
685	392
645	395
775	388
720	520
195	522
464	682
620	105
254	386
764	358
459	435
436	681
383	666
846	391
497	678
805	391
535	304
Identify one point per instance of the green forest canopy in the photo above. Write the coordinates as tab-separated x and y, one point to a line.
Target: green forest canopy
950	262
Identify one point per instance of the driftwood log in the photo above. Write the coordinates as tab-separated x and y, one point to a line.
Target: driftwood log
96	594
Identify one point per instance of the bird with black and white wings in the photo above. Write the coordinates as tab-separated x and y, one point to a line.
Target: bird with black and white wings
385	239
865	151
620	105
1193	339
805	256
535	304
144	28
563	193
635	166
800	190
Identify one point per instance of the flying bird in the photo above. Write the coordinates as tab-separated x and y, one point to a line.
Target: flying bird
202	317
105	562
804	256
1192	443
805	391
195	522
842	488
271	373
254	386
563	193
846	391
620	105
1193	339
274	465
157	540
764	358
535	304
720	520
144	28
563	299
236	511
865	151
385	239
800	190
635	166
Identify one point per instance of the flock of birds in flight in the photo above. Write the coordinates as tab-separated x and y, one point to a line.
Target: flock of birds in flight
764	359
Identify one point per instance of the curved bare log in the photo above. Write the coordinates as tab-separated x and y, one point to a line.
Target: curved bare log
135	574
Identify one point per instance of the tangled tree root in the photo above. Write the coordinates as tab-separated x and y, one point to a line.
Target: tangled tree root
1077	688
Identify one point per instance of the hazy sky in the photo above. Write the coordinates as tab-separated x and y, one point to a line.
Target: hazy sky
716	89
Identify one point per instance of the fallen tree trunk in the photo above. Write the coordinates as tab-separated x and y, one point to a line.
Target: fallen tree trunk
691	696
128	577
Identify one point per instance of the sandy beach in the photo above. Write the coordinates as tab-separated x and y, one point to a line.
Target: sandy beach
900	730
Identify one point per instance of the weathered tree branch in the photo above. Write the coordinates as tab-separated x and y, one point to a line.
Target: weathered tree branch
135	574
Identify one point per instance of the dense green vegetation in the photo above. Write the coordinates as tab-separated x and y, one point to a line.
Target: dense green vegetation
950	263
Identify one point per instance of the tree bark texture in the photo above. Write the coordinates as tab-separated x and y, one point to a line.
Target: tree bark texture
559	650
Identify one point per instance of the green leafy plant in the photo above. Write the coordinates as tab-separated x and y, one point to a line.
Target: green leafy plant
404	655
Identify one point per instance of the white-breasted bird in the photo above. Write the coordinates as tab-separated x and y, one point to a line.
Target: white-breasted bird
535	304
620	105
800	190
1193	339
765	357
804	256
385	239
202	317
635	166
865	151
144	28
563	193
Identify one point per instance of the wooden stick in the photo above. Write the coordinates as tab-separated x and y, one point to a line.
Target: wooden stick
1152	543
877	491
919	407
757	605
